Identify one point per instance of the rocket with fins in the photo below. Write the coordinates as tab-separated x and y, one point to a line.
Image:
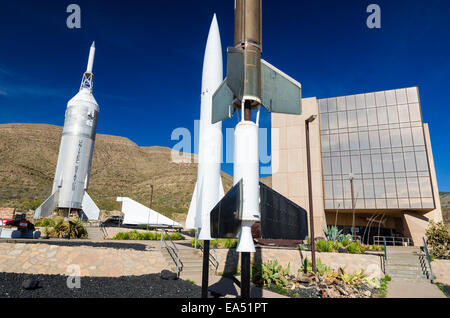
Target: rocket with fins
71	180
251	82
208	189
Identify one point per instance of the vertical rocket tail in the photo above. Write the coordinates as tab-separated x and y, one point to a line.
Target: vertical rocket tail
47	207
89	208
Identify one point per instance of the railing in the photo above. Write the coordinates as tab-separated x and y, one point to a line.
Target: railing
104	231
392	240
423	264
172	250
212	258
385	254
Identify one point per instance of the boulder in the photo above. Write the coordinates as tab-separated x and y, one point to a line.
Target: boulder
30	284
168	275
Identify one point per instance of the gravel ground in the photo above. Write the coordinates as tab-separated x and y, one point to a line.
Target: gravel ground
54	286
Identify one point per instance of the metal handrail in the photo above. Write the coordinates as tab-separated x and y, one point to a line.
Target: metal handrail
104	231
385	254
172	250
428	259
392	239
212	259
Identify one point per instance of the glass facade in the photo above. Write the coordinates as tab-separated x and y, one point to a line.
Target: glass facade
379	138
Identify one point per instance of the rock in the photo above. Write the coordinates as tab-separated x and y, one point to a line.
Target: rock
168	275
30	284
305	279
333	293
341	290
367	293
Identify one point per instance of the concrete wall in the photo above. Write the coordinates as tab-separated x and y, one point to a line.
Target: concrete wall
441	269
289	163
92	261
351	263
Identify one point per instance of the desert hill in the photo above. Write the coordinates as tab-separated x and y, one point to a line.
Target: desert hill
28	156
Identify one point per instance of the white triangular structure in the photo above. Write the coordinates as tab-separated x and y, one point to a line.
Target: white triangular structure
136	213
90	209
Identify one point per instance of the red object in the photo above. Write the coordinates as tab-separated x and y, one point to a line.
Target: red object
6	220
23	225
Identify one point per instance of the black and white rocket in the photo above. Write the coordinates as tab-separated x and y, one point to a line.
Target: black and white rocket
250	82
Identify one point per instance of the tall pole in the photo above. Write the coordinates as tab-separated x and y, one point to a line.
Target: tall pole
351	177
205	275
311	210
150	207
245	256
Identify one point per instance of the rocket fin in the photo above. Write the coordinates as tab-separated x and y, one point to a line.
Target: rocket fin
280	92
47	207
222	104
192	213
89	208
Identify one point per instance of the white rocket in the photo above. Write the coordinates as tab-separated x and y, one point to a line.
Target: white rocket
208	189
75	153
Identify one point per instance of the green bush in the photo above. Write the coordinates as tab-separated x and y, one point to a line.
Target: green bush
324	246
321	268
61	229
219	243
332	233
146	236
355	248
45	223
268	273
438	240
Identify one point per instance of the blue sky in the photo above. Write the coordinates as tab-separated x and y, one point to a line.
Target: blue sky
150	53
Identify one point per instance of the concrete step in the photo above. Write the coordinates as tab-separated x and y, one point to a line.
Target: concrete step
185	257
406	275
402	267
95	233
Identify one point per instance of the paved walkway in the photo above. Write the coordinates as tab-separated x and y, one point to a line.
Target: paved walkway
228	288
404	289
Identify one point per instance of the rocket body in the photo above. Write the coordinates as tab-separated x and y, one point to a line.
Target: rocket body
76	149
208	189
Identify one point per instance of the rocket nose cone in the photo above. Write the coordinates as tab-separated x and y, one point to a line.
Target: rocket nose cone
212	62
214	24
93	44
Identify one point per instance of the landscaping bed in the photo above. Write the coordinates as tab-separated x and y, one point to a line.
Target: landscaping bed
54	286
324	283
